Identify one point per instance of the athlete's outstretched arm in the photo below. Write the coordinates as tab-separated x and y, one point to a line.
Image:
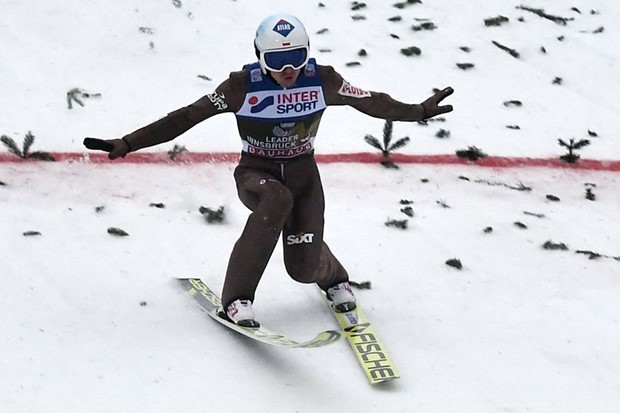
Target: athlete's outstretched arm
377	104
224	99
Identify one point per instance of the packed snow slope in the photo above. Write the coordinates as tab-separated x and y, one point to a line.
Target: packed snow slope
91	322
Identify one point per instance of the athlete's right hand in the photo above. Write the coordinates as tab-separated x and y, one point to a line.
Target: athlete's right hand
116	148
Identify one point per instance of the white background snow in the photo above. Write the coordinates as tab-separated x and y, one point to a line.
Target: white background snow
95	323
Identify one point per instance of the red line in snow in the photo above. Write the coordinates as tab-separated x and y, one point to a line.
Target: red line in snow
360	157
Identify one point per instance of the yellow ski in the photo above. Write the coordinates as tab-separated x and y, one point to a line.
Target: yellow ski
370	352
210	302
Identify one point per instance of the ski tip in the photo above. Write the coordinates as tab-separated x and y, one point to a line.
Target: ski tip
385	380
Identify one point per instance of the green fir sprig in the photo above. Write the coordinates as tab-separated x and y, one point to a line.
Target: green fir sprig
24	152
213	216
176	151
387	146
572	146
472	153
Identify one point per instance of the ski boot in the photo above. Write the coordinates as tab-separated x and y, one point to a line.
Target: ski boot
342	297
240	312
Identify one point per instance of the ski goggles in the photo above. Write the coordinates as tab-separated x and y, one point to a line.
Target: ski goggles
278	60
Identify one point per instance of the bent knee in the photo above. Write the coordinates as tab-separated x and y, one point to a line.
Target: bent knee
278	199
275	206
282	197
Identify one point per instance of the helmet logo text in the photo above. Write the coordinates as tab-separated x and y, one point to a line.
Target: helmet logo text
283	28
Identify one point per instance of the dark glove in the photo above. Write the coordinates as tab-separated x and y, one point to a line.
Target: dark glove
116	148
431	105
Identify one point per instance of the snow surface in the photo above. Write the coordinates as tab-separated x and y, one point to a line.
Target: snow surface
95	323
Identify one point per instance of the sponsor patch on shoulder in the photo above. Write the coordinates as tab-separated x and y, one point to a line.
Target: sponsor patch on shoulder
256	75
348	90
310	70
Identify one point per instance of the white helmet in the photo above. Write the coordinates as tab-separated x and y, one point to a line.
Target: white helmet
281	41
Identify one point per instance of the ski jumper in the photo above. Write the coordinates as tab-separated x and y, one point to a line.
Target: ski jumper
278	180
277	177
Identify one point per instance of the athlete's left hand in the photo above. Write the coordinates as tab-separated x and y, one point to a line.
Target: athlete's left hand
431	105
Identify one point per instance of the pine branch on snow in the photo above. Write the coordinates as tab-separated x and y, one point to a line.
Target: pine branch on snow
512	52
572	146
541	12
589	194
176	151
117	232
397	223
455	263
31	233
550	245
25	153
213	216
496	21
472	153
387	147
